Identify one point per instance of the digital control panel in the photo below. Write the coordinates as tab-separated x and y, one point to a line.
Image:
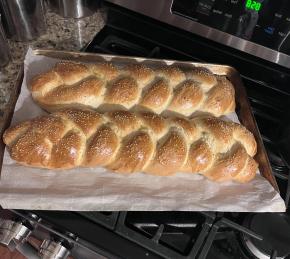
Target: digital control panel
266	22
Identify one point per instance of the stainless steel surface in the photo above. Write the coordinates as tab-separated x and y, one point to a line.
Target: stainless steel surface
50	249
161	10
25	18
73	8
12	231
80	248
4	47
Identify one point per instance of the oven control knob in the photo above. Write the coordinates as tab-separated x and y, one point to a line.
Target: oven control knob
50	249
11	230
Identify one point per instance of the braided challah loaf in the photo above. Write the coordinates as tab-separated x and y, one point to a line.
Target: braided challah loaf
133	142
136	87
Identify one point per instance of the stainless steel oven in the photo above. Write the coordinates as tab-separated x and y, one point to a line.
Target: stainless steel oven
253	37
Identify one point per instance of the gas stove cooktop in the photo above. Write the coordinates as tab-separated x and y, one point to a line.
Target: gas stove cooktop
170	234
184	235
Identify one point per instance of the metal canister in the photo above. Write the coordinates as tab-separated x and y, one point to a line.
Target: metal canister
25	19
74	8
4	47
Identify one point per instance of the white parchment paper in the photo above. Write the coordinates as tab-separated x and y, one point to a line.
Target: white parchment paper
99	189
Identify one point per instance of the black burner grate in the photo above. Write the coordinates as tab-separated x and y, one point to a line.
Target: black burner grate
107	219
173	235
181	235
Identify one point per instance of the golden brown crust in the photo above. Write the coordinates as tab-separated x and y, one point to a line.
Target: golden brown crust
158	89
157	96
11	135
187	97
91	88
219	130
31	148
228	166
249	171
200	157
71	72
51	127
85	120
105	71
154	122
189	128
68	151
130	142
173	74
245	136
122	91
220	96
135	151
170	155
126	122
101	147
140	73
203	76
49	79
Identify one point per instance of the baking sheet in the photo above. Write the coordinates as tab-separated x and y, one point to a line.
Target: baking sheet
84	189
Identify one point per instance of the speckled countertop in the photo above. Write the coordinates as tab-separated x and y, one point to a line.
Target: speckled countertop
61	34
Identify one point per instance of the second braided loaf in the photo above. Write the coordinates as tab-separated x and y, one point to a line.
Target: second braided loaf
128	142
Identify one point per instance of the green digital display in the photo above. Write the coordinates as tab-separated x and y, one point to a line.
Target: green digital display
253	5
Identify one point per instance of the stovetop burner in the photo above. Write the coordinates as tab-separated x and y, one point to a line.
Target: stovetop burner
275	230
186	235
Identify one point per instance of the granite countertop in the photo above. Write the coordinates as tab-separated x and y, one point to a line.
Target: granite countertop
61	34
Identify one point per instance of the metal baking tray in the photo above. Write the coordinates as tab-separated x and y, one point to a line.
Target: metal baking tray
243	108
